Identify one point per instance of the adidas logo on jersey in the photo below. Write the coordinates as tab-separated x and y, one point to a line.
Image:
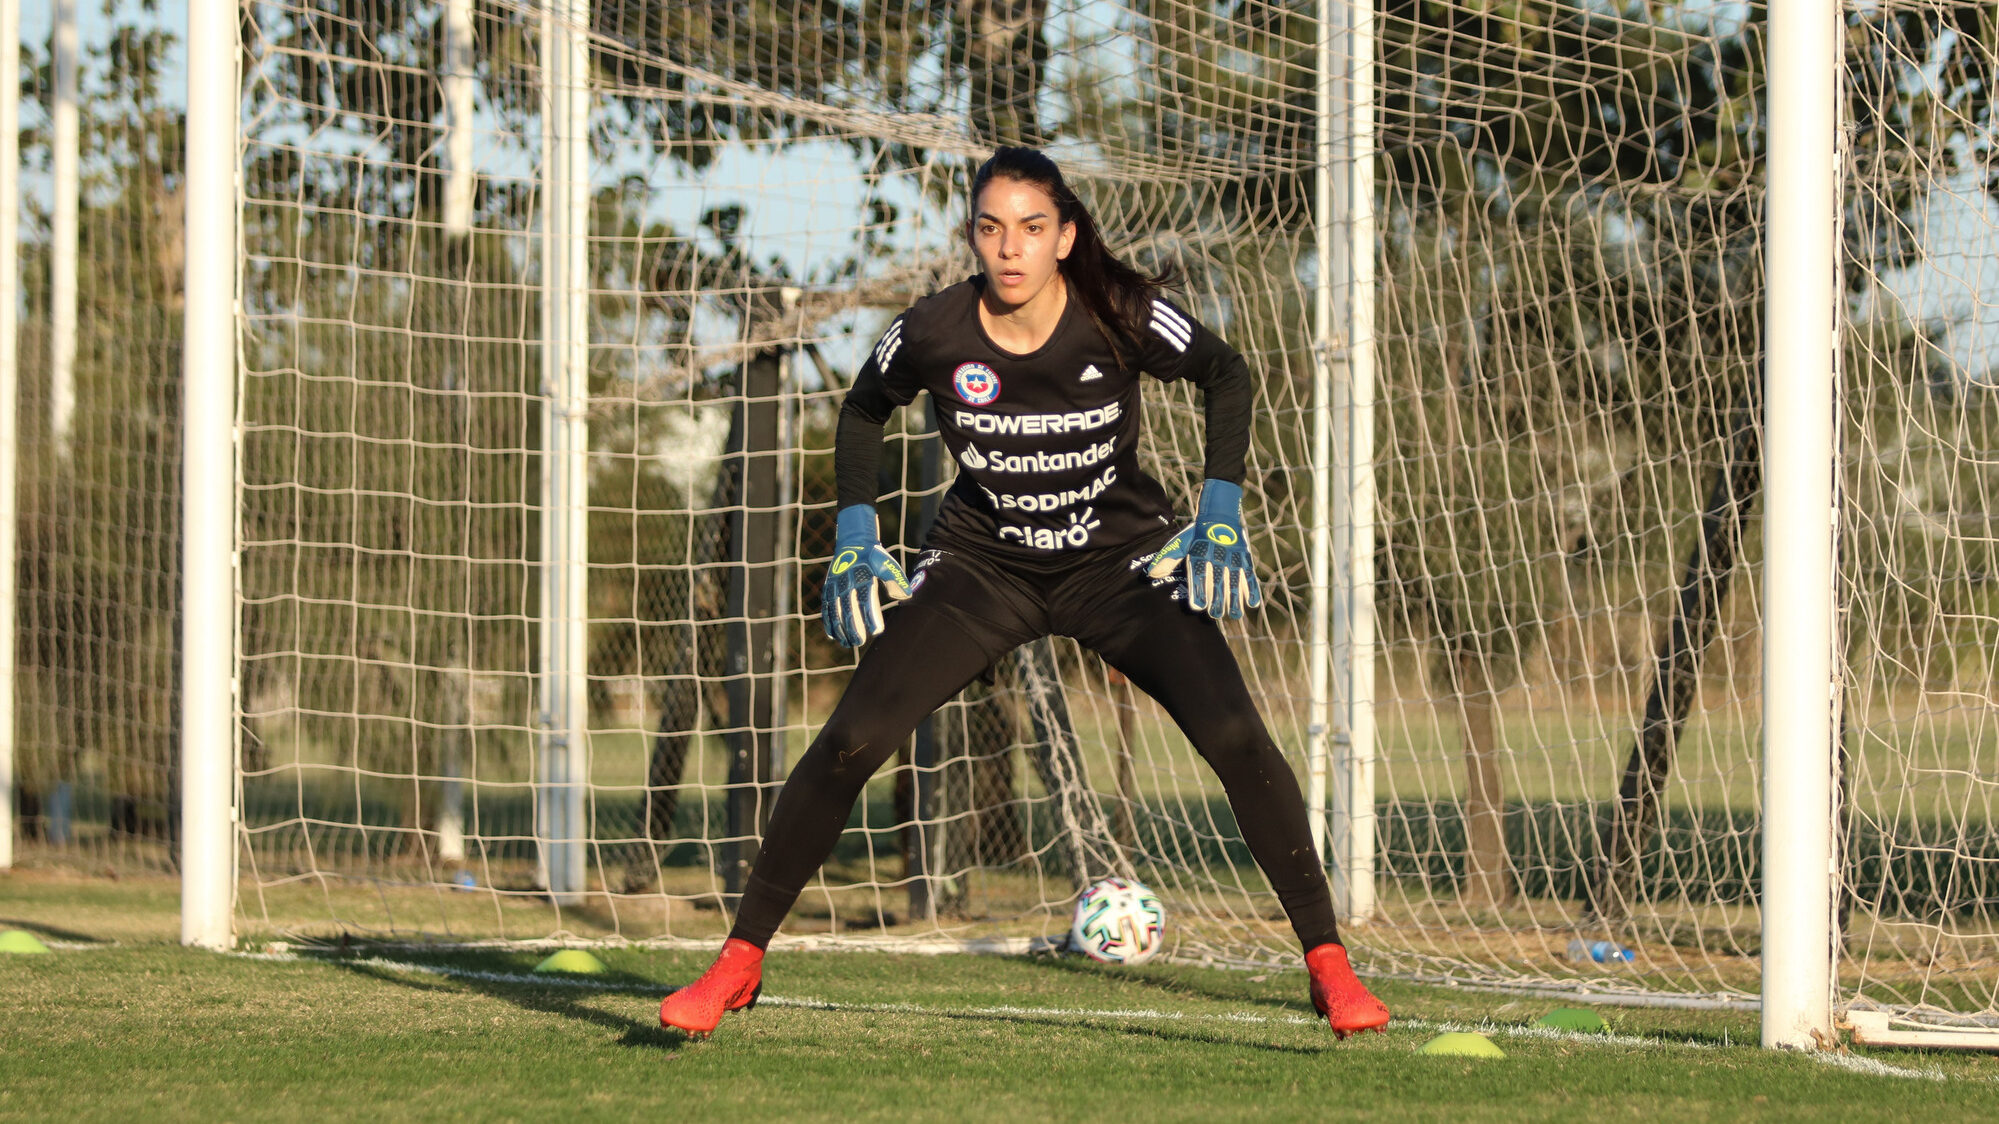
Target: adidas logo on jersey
1090	374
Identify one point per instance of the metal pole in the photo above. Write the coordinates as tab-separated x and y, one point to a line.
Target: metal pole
66	137
1353	413
564	763
451	801
924	857
1319	565
752	596
1801	248
575	86
1342	667
10	297
458	105
548	649
786	548
208	489
458	89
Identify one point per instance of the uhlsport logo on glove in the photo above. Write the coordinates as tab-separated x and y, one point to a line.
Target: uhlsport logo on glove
976	383
846	561
1221	535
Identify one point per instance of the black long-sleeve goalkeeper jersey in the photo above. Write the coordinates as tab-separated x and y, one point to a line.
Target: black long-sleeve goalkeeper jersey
1046	442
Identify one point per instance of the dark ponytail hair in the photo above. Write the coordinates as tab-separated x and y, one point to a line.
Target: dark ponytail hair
1117	296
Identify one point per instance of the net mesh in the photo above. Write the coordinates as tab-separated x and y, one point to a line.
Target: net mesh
98	416
1568	326
1920	474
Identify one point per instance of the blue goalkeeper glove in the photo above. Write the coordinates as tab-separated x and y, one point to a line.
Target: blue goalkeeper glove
1220	578
851	605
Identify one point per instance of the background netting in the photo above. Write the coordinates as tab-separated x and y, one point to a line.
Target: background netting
1568	320
98	463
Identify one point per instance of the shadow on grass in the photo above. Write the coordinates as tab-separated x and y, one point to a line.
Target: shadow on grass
552	998
1153	1033
1655	1024
567	1001
1248	994
53	932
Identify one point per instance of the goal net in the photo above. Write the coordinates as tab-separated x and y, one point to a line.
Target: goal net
1920	479
1567	328
476	231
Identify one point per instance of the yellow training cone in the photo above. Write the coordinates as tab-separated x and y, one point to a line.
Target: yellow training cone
21	940
574	961
1463	1044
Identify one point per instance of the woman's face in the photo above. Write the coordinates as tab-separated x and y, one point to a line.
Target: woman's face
1018	234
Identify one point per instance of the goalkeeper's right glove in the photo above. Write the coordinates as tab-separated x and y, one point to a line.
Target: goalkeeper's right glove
851	606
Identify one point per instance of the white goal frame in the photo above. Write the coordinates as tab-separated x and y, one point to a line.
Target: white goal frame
1800	695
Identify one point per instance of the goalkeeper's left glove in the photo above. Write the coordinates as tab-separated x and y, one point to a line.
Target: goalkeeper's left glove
1221	581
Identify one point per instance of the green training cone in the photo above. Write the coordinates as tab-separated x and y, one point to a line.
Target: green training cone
21	940
1462	1044
574	961
1572	1018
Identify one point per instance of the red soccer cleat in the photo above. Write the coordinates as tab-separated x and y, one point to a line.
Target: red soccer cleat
732	983
1340	996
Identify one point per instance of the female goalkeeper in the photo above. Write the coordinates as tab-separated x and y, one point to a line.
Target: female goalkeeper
1050	528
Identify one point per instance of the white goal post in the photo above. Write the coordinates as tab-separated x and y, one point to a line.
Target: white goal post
1801	357
209	491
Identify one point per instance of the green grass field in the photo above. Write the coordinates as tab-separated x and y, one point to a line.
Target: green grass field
121	1023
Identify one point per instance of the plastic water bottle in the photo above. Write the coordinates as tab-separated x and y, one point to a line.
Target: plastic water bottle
1602	952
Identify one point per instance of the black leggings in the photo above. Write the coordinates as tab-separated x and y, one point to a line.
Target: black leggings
967	613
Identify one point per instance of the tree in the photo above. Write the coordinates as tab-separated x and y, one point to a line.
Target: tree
1606	203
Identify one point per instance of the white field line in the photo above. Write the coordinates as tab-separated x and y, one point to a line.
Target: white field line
1872	1067
1848	1062
1603	992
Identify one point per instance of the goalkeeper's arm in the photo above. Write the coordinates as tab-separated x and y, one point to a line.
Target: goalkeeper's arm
1221	578
862	569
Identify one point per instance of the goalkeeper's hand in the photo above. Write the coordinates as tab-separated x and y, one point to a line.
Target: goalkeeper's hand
1221	581
851	606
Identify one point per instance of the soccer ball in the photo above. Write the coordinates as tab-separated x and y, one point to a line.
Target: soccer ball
1119	921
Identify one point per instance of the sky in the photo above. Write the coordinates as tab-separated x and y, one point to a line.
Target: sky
93	25
1952	291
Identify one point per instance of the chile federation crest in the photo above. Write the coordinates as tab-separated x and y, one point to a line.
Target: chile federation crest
976	383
